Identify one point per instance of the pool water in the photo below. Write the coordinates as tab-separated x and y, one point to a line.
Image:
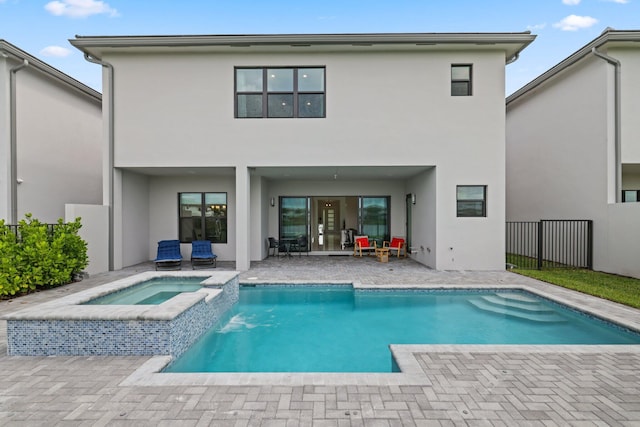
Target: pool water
336	329
150	292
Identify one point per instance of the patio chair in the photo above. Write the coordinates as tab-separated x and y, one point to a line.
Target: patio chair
169	256
397	245
302	245
275	245
202	255
362	243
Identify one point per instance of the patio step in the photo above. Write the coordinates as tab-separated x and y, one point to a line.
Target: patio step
533	311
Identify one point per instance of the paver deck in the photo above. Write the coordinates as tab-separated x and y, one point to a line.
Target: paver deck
465	385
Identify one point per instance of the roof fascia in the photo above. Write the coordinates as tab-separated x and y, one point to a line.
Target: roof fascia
20	55
607	36
96	44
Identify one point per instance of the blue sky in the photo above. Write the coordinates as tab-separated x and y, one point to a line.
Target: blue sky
43	28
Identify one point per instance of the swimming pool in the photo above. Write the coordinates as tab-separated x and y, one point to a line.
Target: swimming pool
339	329
150	292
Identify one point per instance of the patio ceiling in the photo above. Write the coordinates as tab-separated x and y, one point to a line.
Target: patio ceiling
310	173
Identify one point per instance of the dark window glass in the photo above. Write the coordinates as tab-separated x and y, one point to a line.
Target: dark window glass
471	200
202	216
280	105
461	80
374	218
310	105
249	106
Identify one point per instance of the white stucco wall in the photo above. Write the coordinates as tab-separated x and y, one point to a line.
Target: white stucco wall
94	231
59	143
383	108
163	210
424	218
630	102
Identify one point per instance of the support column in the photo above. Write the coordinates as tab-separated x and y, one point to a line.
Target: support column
243	205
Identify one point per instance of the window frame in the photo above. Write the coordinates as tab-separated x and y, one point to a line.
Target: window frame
295	92
203	222
469	81
483	201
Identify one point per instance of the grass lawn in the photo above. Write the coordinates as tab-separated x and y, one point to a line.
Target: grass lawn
625	290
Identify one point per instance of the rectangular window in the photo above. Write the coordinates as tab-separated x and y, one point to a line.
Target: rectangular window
279	92
471	200
202	216
630	196
461	80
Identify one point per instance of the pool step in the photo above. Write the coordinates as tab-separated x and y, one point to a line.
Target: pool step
517	306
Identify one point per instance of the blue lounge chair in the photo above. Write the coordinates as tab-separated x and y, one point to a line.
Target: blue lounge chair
201	254
169	256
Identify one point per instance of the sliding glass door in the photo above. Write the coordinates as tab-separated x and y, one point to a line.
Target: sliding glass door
374	218
294	217
329	223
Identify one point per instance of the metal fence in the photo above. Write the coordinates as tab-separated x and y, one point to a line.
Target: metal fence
15	229
550	244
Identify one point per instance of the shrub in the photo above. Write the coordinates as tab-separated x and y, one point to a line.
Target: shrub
40	256
9	277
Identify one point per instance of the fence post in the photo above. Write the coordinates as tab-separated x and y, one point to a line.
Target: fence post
590	244
540	244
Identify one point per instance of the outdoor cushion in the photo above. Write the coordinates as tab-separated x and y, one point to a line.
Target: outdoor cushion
363	242
396	242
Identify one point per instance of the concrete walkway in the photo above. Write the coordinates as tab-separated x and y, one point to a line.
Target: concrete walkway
465	385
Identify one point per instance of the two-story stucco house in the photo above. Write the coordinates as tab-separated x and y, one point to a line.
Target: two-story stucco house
573	147
240	138
50	139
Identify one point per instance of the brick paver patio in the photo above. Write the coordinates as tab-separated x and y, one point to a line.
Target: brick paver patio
467	385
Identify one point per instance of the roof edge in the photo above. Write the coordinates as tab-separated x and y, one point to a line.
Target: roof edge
85	43
608	35
276	39
47	69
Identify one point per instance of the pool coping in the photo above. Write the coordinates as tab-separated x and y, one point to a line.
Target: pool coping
70	307
149	374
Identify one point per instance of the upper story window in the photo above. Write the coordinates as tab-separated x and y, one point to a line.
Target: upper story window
280	92
471	200
461	79
629	196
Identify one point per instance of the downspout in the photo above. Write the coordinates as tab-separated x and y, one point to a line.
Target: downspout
617	121
13	144
110	152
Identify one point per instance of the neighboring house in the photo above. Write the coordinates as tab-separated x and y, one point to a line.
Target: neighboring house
50	139
240	138
573	147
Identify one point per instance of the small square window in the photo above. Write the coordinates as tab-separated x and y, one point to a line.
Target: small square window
471	200
461	80
630	196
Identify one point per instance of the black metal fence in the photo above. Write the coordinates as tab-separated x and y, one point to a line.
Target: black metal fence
550	244
15	229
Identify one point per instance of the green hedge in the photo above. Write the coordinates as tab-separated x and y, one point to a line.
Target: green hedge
39	256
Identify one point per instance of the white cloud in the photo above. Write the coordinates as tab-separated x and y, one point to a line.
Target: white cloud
575	23
536	27
571	2
79	8
618	1
57	51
